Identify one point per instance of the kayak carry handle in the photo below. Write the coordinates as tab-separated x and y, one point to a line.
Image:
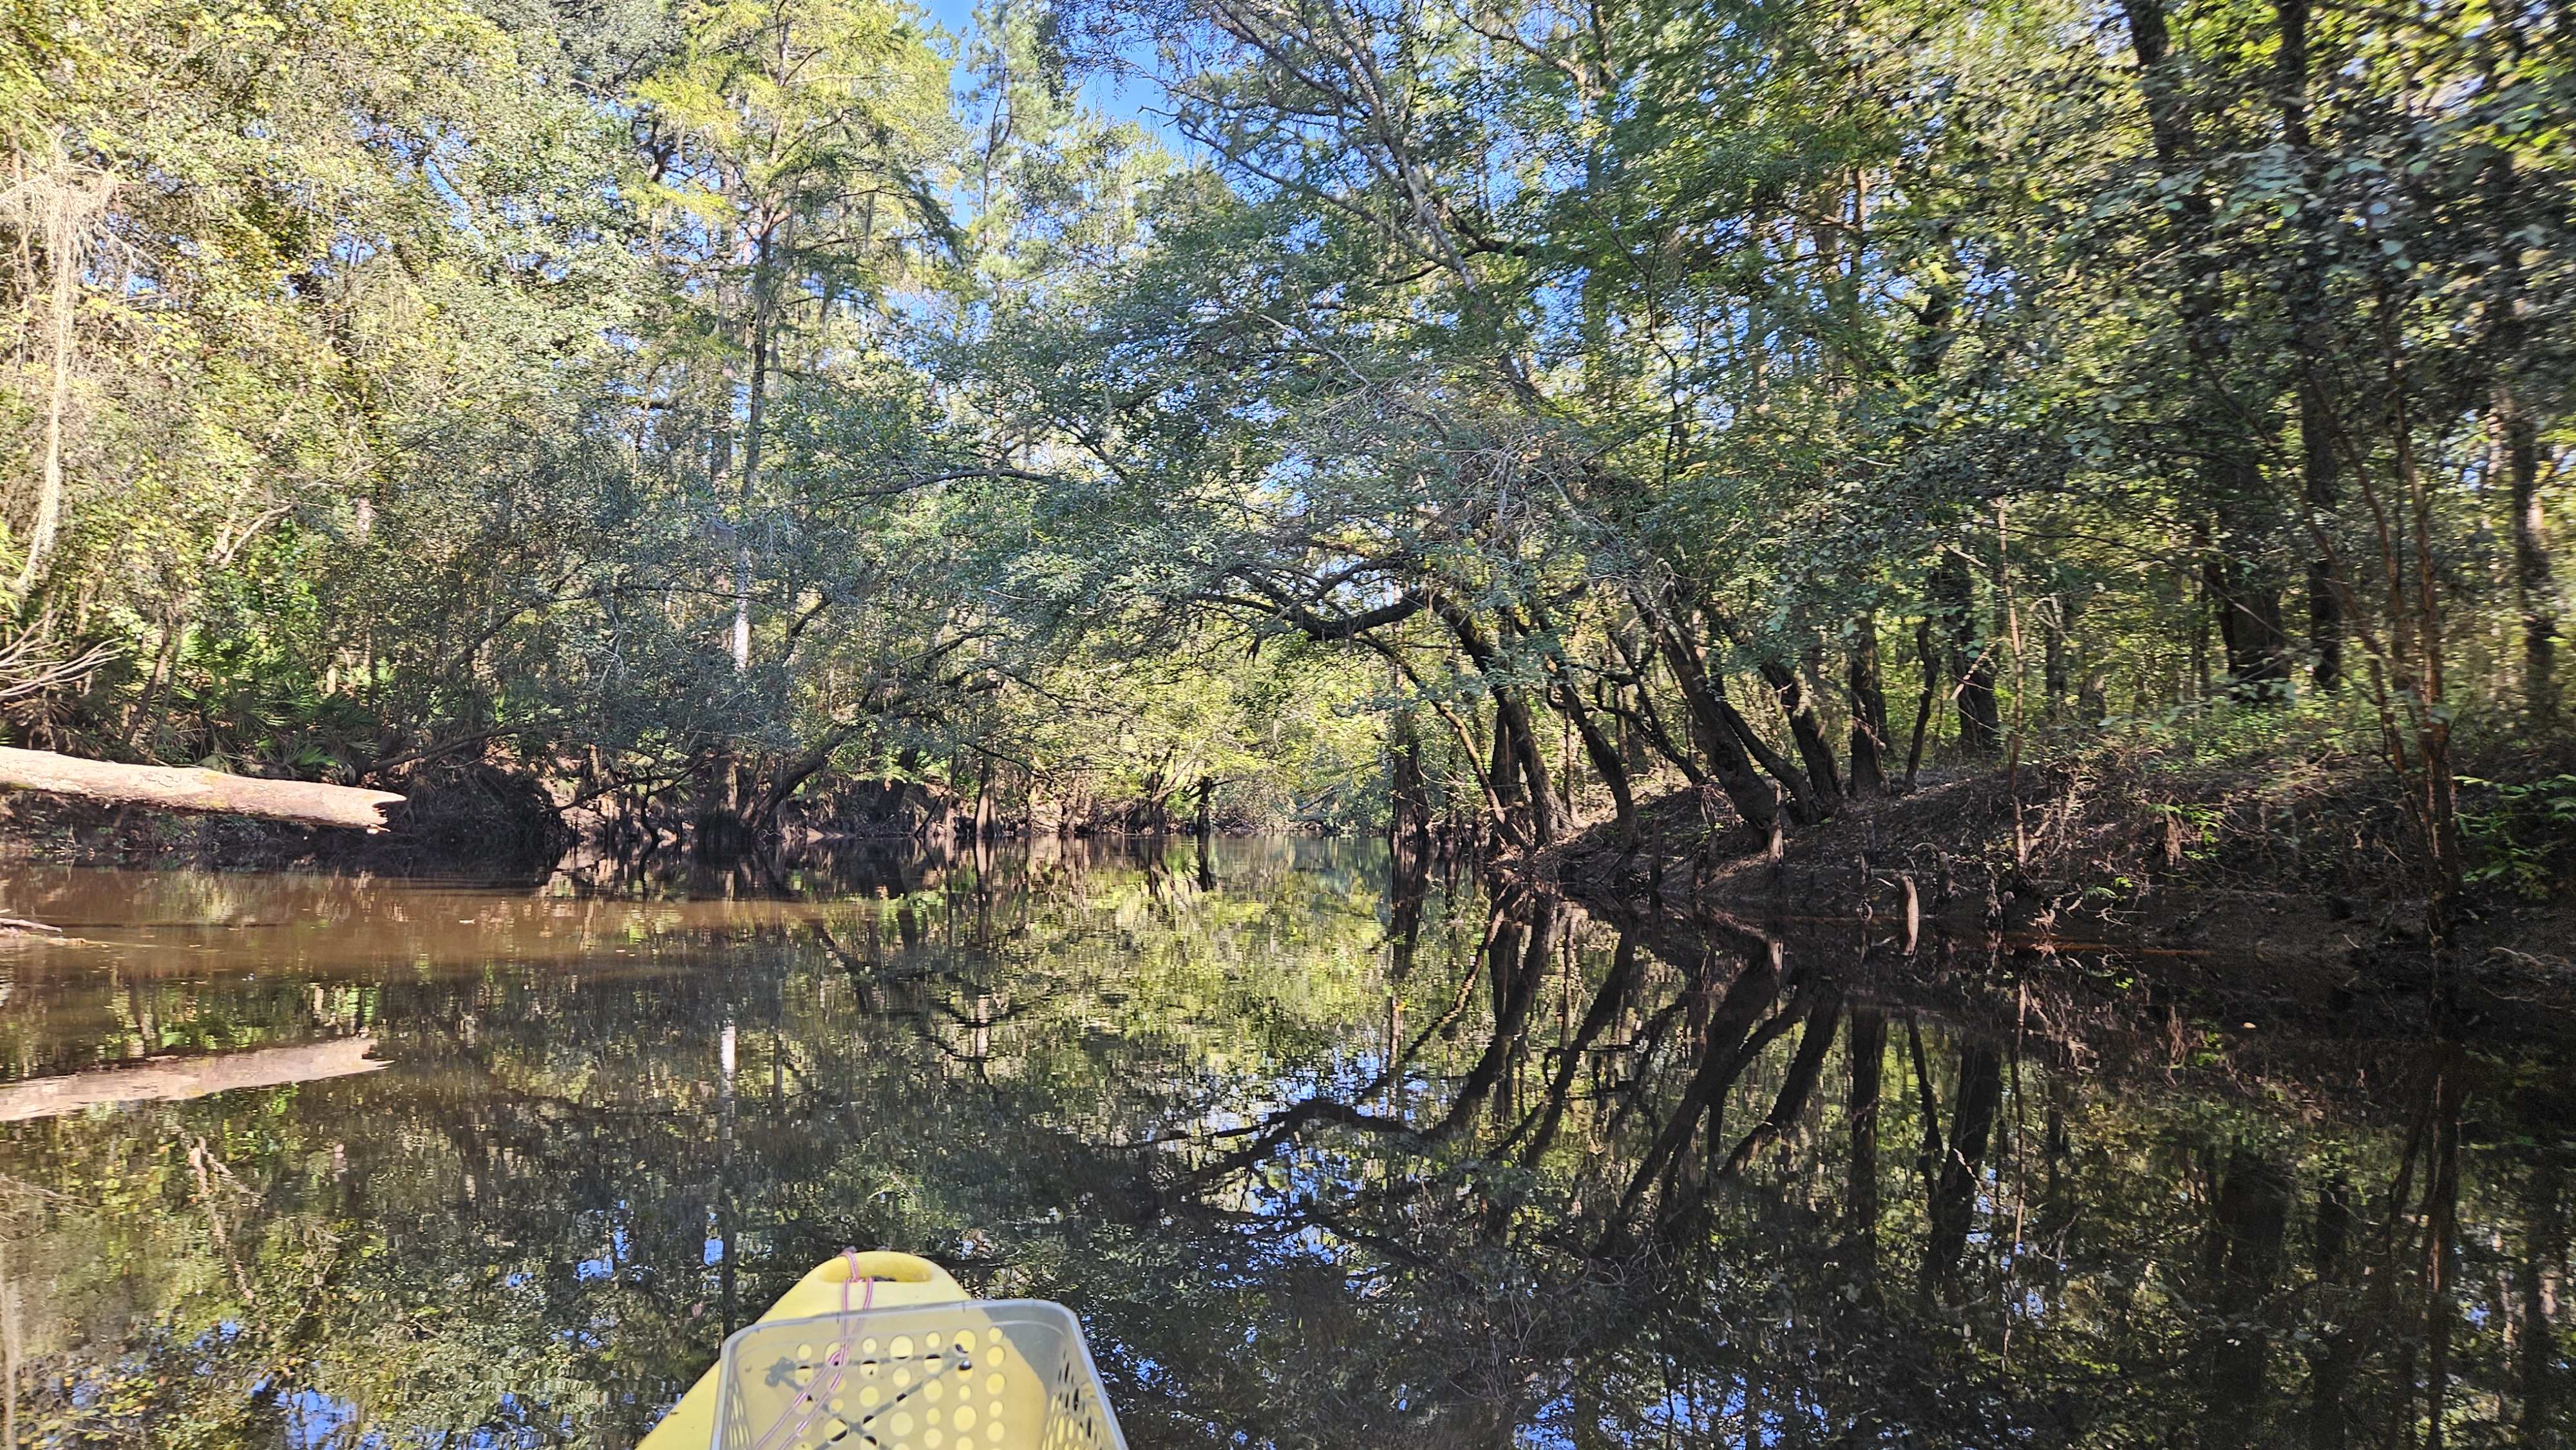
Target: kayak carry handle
881	1264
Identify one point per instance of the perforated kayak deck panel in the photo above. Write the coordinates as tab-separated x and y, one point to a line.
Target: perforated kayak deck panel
1009	1375
884	1351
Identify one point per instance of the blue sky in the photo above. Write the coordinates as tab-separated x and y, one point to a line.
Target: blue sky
1125	100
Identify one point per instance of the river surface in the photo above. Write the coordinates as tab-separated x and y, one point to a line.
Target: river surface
1323	1152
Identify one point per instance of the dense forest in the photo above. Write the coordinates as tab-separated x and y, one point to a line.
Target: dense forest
1480	418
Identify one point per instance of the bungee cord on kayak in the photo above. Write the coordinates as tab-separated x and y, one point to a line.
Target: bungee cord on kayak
914	1364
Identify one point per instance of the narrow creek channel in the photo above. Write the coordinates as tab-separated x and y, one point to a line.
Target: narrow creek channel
1323	1151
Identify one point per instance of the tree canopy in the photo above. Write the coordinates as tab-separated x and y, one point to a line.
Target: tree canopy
1476	417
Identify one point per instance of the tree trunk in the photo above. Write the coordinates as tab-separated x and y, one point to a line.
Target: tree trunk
1497	810
751	440
2535	591
1745	790
2319	487
62	244
1824	782
1503	779
1411	815
2250	630
1508	704
1868	711
1805	807
759	815
2238	572
2517	439
1598	748
1632	738
1515	738
2055	624
1645	723
2317	462
1812	790
1951	592
1930	662
1752	798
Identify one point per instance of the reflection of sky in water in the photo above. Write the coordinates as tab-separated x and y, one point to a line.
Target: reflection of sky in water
1176	1109
315	1420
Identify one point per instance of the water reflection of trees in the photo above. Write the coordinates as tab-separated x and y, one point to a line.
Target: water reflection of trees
1324	1158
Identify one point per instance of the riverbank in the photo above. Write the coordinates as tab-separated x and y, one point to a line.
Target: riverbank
2301	867
474	819
456	819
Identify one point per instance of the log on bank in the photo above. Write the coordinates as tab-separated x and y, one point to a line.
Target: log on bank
195	791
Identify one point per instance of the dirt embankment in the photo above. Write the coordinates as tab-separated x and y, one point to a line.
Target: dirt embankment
2303	872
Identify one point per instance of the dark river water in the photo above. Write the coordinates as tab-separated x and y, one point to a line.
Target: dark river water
1322	1152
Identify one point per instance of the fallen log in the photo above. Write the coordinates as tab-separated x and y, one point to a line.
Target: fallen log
179	1079
198	792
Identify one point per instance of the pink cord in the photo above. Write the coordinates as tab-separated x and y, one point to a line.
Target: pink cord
853	1256
811	1401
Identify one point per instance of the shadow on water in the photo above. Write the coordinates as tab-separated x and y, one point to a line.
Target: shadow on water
1328	1150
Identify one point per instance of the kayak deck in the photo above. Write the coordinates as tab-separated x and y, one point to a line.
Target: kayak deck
887	1351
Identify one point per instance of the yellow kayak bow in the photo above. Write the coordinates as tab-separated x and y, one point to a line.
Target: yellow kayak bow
883	1351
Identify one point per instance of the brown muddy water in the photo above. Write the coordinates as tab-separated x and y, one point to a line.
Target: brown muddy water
1324	1153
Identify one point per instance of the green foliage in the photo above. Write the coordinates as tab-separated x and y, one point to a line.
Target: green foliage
713	397
2528	836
